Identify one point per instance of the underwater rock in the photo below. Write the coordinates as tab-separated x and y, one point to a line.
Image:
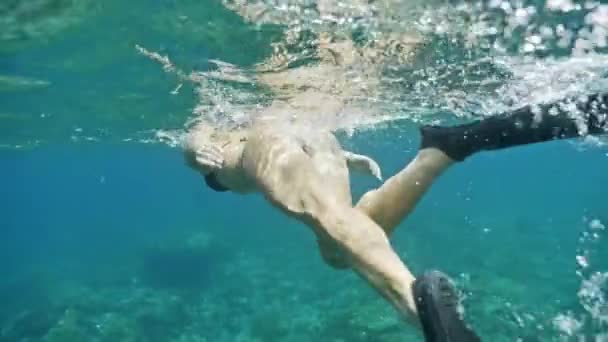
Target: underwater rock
30	324
161	316
269	325
114	327
376	317
67	329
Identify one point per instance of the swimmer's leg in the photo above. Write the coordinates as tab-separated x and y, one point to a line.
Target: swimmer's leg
442	146
291	181
332	254
396	198
435	295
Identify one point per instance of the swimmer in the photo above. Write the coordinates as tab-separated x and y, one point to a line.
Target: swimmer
305	173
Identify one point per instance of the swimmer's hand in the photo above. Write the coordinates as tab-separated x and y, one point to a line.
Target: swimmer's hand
363	164
209	158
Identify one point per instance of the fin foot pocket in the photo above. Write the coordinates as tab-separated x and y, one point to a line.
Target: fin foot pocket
437	304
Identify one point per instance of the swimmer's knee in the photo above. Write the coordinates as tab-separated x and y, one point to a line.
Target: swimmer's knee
366	200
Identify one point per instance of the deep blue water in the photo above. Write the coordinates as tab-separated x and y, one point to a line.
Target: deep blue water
509	220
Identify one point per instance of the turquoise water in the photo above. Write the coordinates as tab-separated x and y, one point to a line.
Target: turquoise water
106	238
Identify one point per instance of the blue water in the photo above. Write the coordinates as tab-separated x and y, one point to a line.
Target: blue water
120	241
85	217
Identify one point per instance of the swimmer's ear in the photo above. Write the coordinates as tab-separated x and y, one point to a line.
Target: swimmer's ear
363	164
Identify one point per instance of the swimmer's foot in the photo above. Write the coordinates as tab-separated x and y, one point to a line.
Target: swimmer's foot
530	124
437	304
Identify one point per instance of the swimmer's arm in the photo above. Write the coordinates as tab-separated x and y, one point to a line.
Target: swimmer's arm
363	164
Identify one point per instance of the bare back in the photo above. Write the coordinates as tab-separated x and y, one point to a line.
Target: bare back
276	156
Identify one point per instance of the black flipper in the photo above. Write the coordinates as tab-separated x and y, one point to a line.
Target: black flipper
527	125
437	304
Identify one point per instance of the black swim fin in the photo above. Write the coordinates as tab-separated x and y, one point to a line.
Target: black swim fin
437	304
527	125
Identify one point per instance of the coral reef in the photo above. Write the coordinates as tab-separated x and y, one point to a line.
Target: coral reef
268	294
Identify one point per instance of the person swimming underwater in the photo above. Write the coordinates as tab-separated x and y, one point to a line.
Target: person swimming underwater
304	172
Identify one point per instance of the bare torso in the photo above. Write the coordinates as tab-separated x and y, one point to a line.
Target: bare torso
292	148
